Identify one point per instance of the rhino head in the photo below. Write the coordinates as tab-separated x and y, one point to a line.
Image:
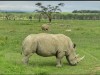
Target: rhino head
72	57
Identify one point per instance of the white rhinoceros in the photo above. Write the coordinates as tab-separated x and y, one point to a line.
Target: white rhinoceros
47	45
45	27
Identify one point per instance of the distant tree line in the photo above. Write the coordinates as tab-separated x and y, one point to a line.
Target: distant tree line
55	16
86	11
72	16
16	16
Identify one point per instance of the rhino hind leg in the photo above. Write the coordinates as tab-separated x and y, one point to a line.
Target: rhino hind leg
59	56
25	59
27	53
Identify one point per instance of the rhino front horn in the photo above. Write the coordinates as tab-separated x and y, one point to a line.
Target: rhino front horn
80	59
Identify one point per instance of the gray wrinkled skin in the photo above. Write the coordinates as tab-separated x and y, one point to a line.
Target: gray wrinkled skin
47	45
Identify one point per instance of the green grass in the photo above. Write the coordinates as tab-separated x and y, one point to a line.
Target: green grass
86	34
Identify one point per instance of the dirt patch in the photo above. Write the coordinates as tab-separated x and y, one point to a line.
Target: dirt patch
97	68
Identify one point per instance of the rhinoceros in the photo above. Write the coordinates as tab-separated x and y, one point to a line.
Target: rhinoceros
46	45
45	27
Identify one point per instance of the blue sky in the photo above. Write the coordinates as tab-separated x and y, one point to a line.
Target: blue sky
69	5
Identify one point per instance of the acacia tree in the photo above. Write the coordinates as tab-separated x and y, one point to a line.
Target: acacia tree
48	10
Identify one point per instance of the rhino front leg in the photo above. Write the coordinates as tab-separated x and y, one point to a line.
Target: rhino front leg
58	62
59	56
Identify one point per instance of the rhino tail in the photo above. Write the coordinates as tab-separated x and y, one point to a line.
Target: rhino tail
21	51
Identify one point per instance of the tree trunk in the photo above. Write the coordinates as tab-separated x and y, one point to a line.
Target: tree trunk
39	17
50	19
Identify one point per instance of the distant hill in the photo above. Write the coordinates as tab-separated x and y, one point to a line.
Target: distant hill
18	11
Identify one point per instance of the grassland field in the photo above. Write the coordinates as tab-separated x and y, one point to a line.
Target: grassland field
85	33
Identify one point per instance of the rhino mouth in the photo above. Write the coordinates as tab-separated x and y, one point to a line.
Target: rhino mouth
77	59
72	64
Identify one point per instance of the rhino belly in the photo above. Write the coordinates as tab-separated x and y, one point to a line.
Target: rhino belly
46	51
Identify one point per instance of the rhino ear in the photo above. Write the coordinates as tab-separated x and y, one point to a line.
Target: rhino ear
74	45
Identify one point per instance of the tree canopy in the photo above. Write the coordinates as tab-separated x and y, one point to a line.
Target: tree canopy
48	10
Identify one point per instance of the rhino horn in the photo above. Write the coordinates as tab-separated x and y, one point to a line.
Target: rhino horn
79	59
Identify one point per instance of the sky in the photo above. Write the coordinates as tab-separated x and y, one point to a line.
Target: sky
68	7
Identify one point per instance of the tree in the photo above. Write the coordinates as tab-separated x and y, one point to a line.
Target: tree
30	17
9	16
48	10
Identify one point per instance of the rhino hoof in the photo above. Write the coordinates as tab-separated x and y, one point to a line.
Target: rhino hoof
58	66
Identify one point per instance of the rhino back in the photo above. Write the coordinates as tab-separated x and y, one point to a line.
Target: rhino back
31	38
